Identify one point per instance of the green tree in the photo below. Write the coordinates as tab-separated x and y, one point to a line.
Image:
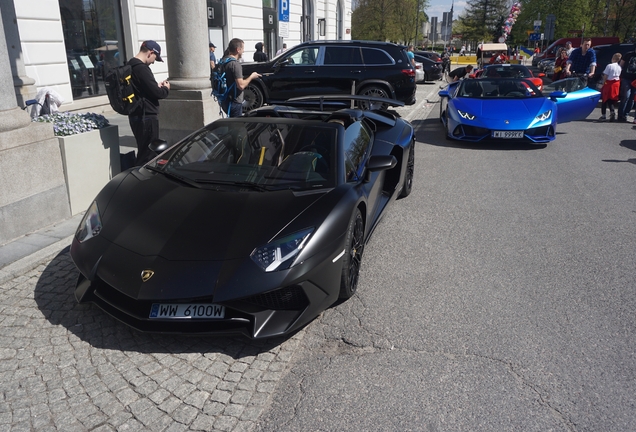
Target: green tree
482	19
388	20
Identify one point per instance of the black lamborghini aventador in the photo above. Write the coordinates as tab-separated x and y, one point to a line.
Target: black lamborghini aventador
249	225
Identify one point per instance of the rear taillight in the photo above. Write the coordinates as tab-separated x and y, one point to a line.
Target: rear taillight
409	72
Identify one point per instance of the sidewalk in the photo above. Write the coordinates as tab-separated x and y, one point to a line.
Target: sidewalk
27	252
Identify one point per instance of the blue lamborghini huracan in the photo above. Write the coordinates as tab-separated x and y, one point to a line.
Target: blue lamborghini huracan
512	109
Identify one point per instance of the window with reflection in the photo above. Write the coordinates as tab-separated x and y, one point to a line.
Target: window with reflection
94	42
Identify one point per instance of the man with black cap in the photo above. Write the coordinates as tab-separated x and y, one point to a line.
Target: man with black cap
144	121
627	92
212	57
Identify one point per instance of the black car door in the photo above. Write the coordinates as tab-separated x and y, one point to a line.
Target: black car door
342	69
357	148
296	74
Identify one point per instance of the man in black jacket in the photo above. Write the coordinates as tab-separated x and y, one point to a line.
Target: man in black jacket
144	121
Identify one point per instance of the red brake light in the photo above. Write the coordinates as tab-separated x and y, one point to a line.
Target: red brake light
409	72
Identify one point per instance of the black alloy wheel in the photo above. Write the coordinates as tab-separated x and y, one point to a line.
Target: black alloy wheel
408	177
353	256
252	98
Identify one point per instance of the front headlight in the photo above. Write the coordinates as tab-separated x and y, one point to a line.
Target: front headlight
91	224
546	115
280	254
466	115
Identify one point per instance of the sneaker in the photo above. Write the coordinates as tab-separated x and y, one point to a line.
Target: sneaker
602	117
622	120
612	118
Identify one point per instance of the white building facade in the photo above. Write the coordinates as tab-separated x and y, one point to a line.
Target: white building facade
68	45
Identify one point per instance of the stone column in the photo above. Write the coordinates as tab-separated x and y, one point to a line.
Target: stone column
189	105
33	193
24	86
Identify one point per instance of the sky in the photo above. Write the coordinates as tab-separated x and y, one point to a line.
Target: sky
437	7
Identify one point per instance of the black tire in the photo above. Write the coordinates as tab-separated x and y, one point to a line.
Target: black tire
354	247
408	177
252	98
426	76
448	131
373	91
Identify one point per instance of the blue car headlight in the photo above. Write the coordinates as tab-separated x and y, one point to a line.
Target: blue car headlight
91	224
465	115
546	115
280	254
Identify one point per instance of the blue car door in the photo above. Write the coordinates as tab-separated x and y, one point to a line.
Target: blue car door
579	102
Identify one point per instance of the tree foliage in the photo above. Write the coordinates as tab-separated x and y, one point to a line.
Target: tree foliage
596	17
482	20
388	20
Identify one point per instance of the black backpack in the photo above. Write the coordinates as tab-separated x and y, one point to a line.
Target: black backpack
631	66
220	89
120	90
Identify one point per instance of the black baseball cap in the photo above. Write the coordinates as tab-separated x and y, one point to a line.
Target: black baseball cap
154	47
212	45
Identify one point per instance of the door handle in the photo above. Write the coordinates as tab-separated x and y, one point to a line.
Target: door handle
310	71
356	71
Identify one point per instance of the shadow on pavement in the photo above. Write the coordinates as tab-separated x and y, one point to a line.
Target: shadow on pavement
54	296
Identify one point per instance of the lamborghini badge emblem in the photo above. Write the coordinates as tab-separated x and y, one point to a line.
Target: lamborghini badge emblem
146	274
507	121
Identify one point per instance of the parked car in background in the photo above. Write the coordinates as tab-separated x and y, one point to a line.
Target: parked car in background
368	68
551	50
604	55
432	69
509	71
429	54
419	72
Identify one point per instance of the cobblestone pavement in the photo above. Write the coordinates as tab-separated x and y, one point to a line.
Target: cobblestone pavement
70	367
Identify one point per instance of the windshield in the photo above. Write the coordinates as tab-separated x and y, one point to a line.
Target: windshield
498	88
567	85
258	154
507	71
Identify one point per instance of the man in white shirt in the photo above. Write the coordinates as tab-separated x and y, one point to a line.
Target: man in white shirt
282	50
568	48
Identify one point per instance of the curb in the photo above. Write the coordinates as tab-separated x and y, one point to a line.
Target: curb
30	262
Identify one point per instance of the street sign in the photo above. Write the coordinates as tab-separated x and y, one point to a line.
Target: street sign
537	23
283	18
534	36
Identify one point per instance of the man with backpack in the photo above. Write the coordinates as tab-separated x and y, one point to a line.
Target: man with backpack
232	102
628	75
144	119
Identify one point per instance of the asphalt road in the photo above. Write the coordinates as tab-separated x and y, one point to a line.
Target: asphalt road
498	296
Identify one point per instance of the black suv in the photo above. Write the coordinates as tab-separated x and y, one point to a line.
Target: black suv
377	69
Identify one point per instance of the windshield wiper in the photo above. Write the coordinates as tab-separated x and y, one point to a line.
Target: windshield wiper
174	176
250	185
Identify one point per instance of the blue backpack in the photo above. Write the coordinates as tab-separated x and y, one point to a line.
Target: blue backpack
220	90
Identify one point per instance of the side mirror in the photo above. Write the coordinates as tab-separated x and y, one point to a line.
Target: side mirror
540	75
442	93
158	146
281	63
381	163
557	94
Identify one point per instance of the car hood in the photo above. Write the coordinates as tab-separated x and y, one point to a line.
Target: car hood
512	109
159	217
